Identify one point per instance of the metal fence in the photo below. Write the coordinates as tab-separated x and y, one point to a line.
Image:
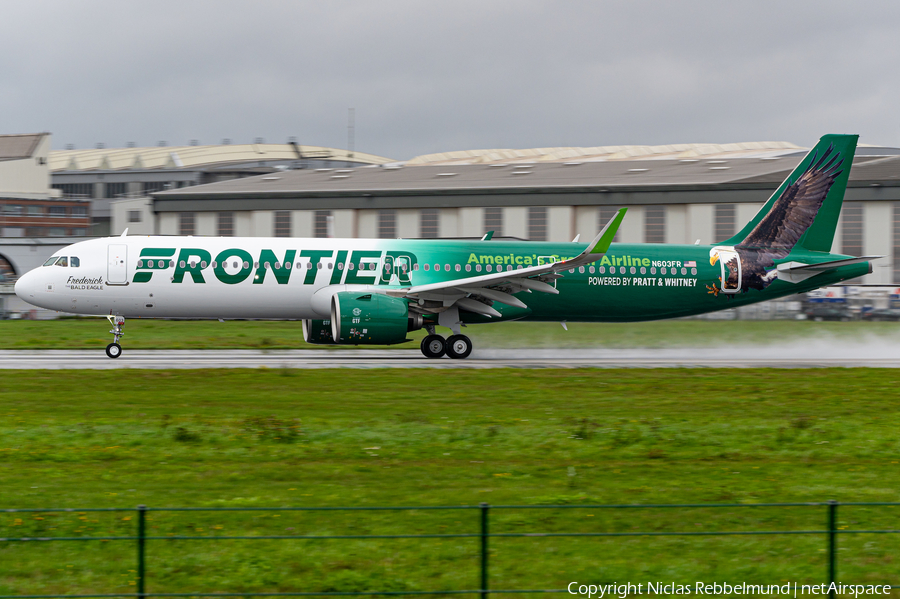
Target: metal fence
141	539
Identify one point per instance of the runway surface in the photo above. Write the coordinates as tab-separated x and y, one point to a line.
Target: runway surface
801	355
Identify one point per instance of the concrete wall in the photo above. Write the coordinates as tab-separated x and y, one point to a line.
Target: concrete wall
559	223
515	222
367	224
587	222
471	222
877	231
120	217
677	224
632	228
408	223
302	223
448	223
701	223
345	223
27	178
262	223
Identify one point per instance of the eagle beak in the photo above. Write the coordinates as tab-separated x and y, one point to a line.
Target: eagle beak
713	259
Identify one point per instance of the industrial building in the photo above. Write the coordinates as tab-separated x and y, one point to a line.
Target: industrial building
103	175
675	194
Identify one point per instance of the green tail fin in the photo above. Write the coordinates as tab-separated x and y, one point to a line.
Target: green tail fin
804	210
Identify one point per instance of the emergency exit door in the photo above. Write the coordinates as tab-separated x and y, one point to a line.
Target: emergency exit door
117	271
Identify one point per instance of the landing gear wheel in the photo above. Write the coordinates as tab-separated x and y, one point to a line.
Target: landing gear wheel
113	350
459	347
433	346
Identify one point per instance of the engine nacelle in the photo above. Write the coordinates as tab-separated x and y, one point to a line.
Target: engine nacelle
366	318
318	332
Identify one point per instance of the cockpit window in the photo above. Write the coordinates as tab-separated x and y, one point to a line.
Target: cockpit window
51	261
74	262
63	261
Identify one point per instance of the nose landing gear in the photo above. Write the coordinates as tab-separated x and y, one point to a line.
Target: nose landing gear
114	350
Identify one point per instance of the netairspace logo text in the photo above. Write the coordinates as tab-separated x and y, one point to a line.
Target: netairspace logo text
623	590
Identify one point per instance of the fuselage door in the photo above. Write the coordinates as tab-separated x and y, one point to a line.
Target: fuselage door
730	262
117	271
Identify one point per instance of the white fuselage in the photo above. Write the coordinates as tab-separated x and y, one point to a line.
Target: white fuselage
255	282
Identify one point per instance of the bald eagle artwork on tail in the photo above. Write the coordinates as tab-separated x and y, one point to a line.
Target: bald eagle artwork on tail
750	264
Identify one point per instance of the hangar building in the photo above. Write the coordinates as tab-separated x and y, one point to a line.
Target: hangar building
675	194
103	175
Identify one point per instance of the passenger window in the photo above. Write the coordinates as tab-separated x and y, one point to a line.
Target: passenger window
63	261
477	268
75	262
468	268
427	267
437	267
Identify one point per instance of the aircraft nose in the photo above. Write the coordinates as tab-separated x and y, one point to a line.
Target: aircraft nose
25	286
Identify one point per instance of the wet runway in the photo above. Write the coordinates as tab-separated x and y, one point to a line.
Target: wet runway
802	355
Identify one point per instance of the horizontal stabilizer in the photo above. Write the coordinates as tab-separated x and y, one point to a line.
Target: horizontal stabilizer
797	272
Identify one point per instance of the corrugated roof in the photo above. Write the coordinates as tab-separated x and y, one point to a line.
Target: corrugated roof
196	156
17	147
606	153
512	177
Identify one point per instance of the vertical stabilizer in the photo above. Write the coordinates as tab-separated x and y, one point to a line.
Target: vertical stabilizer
804	210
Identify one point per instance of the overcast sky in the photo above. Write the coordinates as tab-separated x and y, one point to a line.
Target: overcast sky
438	76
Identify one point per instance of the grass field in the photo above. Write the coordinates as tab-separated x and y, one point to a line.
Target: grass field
91	333
384	437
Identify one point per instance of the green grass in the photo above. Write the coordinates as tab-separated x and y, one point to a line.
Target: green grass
91	333
385	437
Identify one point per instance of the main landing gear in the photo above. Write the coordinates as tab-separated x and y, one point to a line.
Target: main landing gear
114	350
457	347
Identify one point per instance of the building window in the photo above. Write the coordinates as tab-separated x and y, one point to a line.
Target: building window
429	223
725	219
58	211
78	233
282	223
75	190
537	223
387	224
604	215
57	232
79	211
12	209
149	187
322	226
35	210
493	221
655	224
852	230
186	224
134	216
226	224
115	190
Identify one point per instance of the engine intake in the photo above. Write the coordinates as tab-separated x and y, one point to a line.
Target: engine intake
318	332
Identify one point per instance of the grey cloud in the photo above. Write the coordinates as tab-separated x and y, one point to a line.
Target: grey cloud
429	77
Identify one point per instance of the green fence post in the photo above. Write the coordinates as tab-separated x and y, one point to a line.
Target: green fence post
484	550
141	535
832	543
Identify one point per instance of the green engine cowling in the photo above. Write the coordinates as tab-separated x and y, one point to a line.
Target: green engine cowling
370	319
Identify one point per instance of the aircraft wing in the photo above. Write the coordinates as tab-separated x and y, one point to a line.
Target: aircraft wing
476	294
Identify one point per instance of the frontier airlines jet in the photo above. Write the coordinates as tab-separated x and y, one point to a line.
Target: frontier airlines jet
375	291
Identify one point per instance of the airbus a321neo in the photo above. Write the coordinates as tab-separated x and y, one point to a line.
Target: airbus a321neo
375	291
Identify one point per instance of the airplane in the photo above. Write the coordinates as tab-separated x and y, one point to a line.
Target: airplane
375	291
